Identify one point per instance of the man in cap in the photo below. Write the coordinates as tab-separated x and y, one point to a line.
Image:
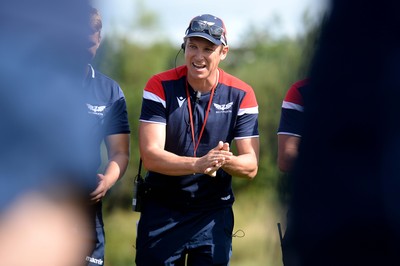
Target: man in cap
190	116
108	118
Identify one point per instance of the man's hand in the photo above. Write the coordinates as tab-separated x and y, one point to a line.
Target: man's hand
218	157
101	189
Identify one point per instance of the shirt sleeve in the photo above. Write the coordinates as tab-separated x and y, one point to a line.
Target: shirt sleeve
153	102
247	120
292	112
117	120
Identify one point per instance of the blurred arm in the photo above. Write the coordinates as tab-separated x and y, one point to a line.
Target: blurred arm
118	158
287	151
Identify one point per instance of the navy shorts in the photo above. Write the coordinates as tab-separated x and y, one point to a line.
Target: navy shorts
96	258
169	237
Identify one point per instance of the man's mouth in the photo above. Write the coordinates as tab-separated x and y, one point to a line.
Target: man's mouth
198	66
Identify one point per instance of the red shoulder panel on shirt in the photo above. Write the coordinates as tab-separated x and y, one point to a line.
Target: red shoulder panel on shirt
154	85
293	95
232	81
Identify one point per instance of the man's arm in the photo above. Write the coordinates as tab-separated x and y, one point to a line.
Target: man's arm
245	164
118	158
287	151
156	159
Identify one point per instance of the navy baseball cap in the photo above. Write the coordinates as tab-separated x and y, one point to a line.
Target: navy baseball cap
208	27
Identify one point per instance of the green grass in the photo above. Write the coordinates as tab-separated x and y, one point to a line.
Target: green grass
120	226
255	215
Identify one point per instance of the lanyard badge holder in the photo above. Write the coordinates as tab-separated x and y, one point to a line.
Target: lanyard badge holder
138	190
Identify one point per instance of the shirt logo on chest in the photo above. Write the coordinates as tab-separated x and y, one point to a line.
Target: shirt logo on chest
223	108
96	110
181	100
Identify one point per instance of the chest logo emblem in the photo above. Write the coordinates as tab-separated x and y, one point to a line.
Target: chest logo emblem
223	108
96	110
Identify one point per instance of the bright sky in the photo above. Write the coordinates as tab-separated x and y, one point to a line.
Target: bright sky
284	17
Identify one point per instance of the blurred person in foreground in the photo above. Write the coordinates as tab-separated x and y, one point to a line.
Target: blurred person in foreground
190	116
106	106
290	131
44	137
344	204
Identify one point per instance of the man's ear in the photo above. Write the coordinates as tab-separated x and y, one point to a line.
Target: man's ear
224	52
98	45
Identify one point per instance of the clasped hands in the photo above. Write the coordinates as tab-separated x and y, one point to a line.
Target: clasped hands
215	158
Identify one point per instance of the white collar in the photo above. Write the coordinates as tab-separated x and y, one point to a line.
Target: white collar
92	69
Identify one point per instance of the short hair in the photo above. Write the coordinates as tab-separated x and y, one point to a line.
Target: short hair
95	20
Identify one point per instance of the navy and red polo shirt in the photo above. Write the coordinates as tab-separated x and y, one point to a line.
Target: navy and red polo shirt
106	107
292	113
233	115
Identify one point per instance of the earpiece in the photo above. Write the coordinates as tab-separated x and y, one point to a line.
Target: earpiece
183	46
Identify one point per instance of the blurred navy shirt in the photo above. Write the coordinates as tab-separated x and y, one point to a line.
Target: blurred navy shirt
43	136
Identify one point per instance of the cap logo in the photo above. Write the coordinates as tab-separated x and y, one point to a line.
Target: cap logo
209	23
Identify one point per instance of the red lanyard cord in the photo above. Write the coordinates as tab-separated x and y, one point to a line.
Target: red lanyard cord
191	115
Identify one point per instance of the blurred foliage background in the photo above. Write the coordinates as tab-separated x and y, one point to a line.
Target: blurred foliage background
270	64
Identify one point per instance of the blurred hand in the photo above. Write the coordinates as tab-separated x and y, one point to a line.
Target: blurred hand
101	189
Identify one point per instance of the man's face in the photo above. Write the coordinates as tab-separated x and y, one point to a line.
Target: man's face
93	44
202	58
